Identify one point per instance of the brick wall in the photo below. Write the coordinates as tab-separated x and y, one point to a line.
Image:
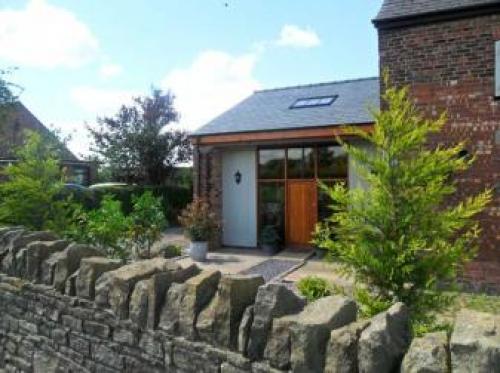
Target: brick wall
207	176
449	66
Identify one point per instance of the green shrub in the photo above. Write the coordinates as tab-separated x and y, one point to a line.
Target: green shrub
174	198
106	228
30	195
168	250
370	304
313	288
146	222
402	235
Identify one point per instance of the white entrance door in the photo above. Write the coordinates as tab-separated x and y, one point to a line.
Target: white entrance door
239	196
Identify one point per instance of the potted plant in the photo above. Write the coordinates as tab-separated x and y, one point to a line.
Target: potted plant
269	239
200	225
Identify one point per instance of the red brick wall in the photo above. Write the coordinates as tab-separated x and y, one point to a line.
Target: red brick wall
449	65
207	176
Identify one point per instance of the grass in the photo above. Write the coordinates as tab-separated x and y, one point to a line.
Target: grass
477	302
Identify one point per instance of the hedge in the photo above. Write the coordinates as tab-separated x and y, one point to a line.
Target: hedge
175	198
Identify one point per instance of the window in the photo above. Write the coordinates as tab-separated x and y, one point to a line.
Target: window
272	206
313	101
272	164
332	162
497	68
300	163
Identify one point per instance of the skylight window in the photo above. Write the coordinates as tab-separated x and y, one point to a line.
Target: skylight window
313	102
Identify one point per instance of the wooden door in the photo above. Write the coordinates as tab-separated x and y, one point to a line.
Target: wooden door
302	211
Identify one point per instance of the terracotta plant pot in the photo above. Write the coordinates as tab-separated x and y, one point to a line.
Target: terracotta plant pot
198	250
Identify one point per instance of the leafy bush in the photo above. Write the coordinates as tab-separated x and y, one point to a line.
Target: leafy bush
31	194
106	228
313	288
174	198
402	235
200	224
146	222
168	250
370	304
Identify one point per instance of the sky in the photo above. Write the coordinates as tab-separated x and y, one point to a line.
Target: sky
80	59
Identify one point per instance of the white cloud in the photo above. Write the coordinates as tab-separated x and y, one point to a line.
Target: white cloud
110	70
100	102
294	36
46	36
213	83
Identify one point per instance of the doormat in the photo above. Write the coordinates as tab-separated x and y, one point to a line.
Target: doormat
271	268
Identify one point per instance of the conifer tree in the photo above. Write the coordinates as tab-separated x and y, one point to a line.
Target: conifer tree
401	235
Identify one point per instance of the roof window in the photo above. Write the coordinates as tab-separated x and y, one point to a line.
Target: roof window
313	102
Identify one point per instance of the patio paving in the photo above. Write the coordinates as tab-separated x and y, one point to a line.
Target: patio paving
233	260
238	260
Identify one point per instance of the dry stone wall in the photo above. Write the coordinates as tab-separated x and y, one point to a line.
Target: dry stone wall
64	308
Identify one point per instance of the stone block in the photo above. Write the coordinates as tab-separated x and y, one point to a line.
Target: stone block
70	286
37	252
382	345
60	265
342	349
169	316
12	263
311	331
475	342
114	288
199	290
90	270
219	322
149	295
427	354
244	330
278	348
272	301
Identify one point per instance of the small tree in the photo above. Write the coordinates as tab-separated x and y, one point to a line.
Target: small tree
7	99
105	228
402	235
31	194
136	143
147	221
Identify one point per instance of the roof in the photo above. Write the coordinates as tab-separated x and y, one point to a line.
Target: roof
18	120
397	9
268	110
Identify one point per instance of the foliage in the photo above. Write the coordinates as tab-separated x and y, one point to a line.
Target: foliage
402	235
135	144
169	250
173	198
314	288
7	96
269	235
30	196
106	228
199	222
147	221
369	304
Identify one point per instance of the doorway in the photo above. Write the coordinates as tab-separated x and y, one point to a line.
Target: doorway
302	212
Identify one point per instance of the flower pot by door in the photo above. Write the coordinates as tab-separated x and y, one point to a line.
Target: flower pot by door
198	251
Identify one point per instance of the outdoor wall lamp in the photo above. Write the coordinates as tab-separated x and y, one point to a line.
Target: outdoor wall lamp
237	177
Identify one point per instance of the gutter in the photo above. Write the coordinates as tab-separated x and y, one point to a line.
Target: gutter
436	16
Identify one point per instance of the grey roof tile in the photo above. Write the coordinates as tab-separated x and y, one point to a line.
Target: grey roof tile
270	109
392	9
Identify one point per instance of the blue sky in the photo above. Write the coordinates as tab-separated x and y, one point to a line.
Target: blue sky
78	59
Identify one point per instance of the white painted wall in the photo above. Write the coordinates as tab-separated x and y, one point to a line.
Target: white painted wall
239	206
